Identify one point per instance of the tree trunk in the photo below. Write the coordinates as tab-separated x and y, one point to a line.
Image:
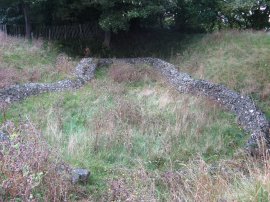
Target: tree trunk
161	18
27	21
107	39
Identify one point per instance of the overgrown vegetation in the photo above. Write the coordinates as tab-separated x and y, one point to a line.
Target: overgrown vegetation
21	61
30	169
239	60
143	141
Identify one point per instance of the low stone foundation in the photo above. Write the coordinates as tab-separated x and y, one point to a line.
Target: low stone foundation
84	72
250	117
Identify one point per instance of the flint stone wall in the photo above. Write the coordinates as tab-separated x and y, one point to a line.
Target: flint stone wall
250	117
84	72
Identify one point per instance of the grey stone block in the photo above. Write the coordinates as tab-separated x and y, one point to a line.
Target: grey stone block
80	175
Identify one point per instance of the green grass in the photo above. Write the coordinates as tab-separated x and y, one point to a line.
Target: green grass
162	132
239	60
26	55
34	61
138	137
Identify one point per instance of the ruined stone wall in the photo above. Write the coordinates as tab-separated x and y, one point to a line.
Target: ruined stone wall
85	71
250	117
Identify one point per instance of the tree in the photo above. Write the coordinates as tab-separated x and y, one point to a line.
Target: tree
247	14
116	15
200	15
24	6
258	14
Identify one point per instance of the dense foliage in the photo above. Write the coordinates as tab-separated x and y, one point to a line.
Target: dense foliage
119	15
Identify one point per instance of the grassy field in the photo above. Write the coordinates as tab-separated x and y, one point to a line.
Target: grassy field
21	62
141	139
239	60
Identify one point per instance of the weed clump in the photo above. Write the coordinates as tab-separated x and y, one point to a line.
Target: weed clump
29	168
64	64
8	76
22	61
128	112
127	73
124	73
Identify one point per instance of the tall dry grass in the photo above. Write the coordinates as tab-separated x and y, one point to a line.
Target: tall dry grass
155	138
30	170
22	61
123	72
238	59
143	141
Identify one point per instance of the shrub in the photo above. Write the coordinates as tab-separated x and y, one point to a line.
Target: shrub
30	170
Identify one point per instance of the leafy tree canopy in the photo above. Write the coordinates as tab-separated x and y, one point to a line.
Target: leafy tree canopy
117	15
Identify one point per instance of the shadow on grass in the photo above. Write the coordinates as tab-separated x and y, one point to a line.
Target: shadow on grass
159	43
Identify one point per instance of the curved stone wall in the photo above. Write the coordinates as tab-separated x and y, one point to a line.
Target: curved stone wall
84	71
250	117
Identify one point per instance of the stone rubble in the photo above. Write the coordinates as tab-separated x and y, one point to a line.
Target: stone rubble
80	176
84	72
